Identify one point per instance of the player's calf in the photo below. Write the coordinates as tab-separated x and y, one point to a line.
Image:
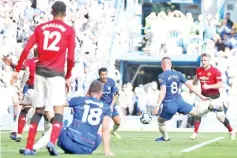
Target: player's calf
21	123
116	120
226	123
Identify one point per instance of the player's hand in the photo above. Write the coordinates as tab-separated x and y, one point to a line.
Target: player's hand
205	86
155	111
14	77
68	85
7	61
109	154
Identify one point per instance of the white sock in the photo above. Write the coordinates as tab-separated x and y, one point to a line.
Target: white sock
163	130
115	127
42	142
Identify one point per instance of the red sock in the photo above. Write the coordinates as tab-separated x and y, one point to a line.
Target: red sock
55	131
227	124
31	135
21	123
230	129
196	126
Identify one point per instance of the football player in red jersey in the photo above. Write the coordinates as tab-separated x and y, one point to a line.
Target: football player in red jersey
211	81
53	39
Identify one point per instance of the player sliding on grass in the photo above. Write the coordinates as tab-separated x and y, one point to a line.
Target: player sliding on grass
169	96
211	81
89	113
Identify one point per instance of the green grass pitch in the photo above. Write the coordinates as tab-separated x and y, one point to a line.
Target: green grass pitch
142	145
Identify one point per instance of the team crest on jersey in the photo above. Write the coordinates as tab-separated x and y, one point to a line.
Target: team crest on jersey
109	88
208	74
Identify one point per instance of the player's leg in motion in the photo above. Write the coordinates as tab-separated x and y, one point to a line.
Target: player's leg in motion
117	119
32	131
56	97
42	142
163	130
39	104
222	118
21	122
167	112
197	122
13	133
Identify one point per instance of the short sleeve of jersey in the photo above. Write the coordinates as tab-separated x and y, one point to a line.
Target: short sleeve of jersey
218	76
182	78
162	80
114	87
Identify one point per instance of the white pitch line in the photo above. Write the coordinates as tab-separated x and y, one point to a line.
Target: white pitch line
201	145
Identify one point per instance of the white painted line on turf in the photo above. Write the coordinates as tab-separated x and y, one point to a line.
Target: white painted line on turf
201	145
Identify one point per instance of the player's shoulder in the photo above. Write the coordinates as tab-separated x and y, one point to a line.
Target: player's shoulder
163	74
214	69
176	72
110	80
200	68
96	103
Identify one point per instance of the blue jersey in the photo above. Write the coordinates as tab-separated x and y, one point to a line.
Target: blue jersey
87	118
173	81
109	91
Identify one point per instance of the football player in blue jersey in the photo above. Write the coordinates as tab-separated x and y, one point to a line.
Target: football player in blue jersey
171	100
110	96
81	136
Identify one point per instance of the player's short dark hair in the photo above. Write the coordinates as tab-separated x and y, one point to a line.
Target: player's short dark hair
103	69
205	55
58	8
95	87
166	58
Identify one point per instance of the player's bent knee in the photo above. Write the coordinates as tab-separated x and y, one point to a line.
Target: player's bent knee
39	110
24	111
59	109
221	118
161	124
58	118
116	120
160	120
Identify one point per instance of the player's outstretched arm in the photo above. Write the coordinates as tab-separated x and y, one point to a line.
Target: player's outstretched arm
24	54
195	80
25	77
193	89
160	99
106	136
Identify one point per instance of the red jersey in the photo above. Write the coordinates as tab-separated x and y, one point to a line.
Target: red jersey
53	39
209	77
31	63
